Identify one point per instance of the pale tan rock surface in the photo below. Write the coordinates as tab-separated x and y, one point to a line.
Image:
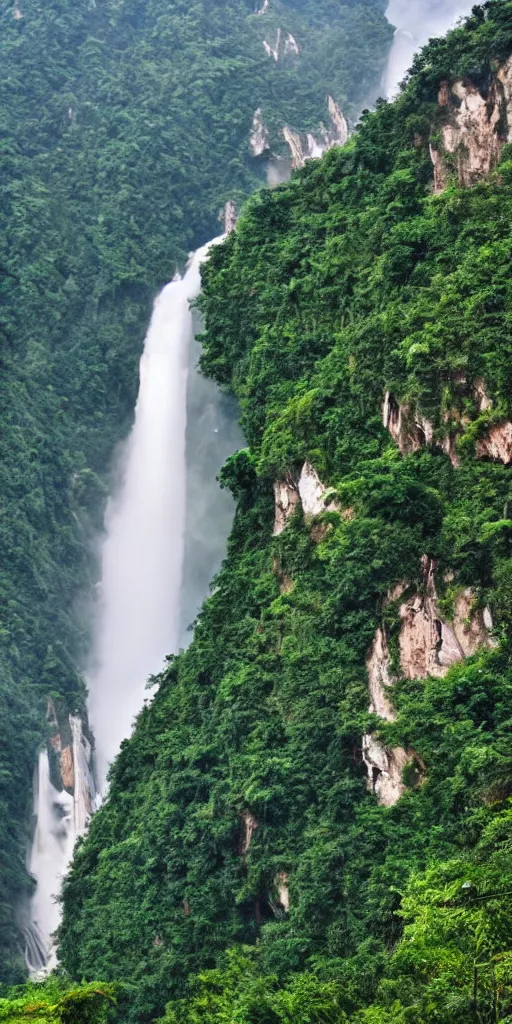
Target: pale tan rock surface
379	677
475	131
385	767
250	825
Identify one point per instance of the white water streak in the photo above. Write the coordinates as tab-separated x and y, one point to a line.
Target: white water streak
50	855
417	21
60	818
138	622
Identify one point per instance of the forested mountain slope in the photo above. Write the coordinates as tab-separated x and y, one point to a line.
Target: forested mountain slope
125	128
361	315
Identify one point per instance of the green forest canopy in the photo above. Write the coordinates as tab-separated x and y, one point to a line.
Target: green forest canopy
124	130
350	280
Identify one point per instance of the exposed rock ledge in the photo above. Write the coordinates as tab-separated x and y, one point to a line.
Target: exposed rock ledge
71	764
259	138
379	677
428	646
384	764
250	824
229	217
312	146
412	431
478	125
308	490
289	45
385	767
497	445
282	889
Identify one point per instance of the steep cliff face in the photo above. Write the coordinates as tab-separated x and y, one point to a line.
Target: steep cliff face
411	430
146	143
344	689
306	490
428	645
477	124
384	764
307	146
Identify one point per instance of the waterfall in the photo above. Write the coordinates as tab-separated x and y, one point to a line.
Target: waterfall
138	621
417	21
167	510
50	855
60	818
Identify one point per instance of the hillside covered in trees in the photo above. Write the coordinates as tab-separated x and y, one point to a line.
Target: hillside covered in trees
312	820
125	129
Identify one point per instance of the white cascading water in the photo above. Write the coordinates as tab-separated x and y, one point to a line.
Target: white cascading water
417	21
51	852
60	819
142	556
143	609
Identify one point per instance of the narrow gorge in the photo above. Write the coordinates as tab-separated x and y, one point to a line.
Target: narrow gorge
257	659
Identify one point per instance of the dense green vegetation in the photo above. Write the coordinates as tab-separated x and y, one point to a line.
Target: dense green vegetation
350	280
57	1002
124	128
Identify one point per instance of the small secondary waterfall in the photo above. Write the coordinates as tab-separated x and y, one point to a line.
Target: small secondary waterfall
417	21
49	858
142	557
61	816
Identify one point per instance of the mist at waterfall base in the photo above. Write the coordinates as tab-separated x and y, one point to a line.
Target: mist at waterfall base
160	510
417	21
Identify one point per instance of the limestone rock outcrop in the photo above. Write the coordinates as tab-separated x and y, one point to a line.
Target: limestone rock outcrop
250	824
71	755
299	153
410	430
283	891
471	625
385	767
67	768
273	51
229	217
309	490
379	677
384	764
338	135
286	499
428	646
478	124
290	45
284	46
259	138
314	145
497	444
